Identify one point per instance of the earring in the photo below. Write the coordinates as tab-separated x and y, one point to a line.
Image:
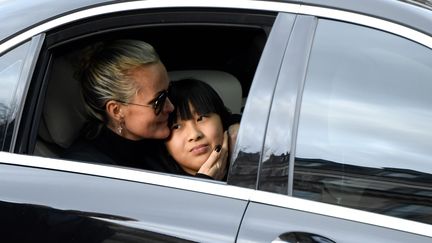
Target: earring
119	129
120	126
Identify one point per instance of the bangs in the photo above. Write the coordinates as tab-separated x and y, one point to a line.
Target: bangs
201	96
201	104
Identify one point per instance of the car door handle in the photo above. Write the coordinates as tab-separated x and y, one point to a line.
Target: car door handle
301	237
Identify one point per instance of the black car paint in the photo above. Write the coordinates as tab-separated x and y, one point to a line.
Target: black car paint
35	192
85	208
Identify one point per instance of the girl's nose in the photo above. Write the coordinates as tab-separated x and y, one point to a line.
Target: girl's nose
194	133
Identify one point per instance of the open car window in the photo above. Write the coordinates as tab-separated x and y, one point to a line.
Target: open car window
222	46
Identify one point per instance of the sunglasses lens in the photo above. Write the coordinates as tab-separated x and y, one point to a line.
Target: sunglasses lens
160	102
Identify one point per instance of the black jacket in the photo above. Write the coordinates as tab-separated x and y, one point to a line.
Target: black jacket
110	148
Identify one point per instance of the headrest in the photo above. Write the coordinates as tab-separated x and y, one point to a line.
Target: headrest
226	85
64	113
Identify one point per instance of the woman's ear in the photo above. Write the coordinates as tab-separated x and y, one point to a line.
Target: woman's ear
114	110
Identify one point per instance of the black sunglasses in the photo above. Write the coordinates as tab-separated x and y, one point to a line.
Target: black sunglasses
157	103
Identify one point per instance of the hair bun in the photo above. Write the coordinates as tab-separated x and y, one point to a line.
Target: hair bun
87	57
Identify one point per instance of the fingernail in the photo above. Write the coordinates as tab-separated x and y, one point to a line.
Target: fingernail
218	148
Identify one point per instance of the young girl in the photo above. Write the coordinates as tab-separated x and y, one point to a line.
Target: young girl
197	123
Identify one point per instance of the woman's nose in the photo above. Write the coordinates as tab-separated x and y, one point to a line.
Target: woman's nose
168	106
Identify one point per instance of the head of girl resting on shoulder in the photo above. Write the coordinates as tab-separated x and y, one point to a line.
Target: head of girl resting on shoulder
197	123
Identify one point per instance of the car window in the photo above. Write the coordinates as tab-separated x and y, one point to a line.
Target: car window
11	65
365	128
217	46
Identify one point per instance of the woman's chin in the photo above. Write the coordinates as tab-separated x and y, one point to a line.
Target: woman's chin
162	133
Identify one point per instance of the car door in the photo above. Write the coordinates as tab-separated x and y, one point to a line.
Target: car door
55	200
48	200
273	214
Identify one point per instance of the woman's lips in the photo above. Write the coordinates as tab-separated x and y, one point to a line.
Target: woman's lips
200	149
163	119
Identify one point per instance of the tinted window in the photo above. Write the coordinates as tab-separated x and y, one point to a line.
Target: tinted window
365	131
11	65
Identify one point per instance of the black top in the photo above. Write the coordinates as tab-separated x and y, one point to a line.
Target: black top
110	148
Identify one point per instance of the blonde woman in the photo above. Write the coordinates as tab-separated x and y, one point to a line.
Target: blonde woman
125	89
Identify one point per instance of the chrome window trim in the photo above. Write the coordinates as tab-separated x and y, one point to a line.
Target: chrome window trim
145	4
129	174
218	189
239	4
369	21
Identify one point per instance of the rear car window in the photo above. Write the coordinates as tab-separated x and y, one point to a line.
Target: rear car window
365	129
11	65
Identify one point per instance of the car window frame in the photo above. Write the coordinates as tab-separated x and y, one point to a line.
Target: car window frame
60	36
89	11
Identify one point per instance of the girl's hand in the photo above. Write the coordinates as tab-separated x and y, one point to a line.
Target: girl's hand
215	166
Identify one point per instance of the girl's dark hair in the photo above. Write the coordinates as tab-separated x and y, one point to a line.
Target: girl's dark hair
203	98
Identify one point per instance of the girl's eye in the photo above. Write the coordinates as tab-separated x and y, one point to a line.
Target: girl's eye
202	117
175	126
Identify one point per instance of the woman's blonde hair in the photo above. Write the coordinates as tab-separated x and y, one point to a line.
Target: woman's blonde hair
105	73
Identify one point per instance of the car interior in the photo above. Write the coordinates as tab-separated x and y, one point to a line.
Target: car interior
220	48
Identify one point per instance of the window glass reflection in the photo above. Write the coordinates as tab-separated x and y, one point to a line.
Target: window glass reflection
10	69
365	126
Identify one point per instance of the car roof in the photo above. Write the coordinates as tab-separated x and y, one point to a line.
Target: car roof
18	15
416	14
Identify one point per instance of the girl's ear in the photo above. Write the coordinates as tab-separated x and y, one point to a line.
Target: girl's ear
114	110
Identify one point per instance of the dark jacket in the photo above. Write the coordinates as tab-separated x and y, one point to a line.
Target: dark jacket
110	148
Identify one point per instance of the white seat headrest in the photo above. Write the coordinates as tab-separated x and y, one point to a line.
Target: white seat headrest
64	113
226	85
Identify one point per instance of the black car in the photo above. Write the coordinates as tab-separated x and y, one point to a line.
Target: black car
335	142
